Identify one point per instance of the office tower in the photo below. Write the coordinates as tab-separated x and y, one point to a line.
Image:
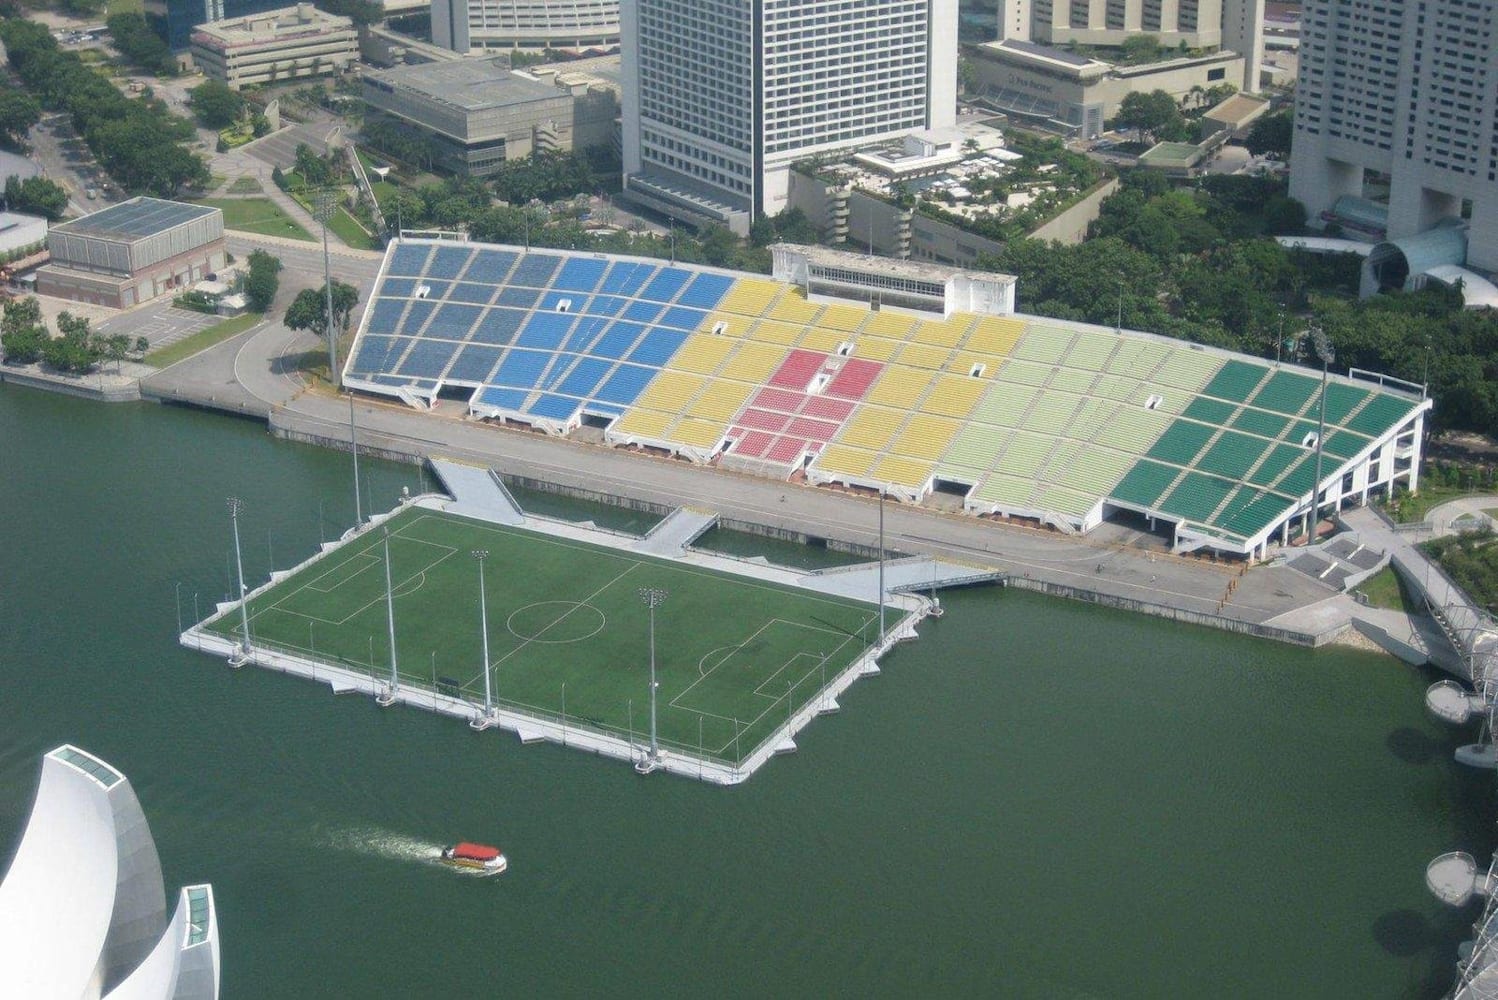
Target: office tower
1405	89
722	96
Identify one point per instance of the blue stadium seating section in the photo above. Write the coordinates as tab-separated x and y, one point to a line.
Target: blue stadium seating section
546	334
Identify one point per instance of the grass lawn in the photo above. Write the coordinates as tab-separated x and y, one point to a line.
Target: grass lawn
1491	512
1407	508
1471	560
202	340
125	7
349	230
1384	589
258	215
567	624
246	185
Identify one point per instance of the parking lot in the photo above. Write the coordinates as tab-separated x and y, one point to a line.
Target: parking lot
161	323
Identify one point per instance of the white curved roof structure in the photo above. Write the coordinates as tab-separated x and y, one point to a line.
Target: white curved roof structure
82	910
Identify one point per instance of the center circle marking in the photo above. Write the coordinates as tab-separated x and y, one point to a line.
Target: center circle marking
556	622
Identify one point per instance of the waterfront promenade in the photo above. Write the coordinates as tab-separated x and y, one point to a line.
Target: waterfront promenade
257	374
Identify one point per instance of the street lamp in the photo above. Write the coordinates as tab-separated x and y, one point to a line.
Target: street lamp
653	597
1324	351
242	657
387	698
487	719
323	210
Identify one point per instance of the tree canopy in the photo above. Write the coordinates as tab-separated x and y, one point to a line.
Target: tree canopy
1155	115
309	311
215	105
263	280
138	141
36	196
1270	135
18	112
136	41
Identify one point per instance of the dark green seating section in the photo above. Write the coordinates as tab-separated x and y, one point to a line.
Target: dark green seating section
1242	451
1381	413
1209	411
1258	422
1232	455
1340	401
1248	511
1144	483
1197	497
1181	442
1235	381
1279	458
1286	392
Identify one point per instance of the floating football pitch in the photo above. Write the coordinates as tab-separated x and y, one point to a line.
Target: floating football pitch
567	630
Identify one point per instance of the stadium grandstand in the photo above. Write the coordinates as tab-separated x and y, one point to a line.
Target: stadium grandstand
864	372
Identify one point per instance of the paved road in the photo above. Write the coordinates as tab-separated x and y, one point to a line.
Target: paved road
256	372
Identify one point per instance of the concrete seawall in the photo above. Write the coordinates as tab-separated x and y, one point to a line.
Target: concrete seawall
124	391
1291	636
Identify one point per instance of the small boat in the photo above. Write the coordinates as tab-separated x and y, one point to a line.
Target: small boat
476	857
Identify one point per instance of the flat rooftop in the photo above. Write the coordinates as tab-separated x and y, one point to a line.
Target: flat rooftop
1046	53
469	84
284	22
135	219
914	269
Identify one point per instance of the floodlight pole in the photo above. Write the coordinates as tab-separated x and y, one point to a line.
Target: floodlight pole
388	698
881	565
353	444
1324	351
243	656
324	213
653	597
487	719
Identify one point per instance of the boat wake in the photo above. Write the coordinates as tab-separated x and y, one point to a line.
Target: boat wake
375	842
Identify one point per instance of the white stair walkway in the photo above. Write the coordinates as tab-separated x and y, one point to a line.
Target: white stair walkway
916	574
477	492
676	531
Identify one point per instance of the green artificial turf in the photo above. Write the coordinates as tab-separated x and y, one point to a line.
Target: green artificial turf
731	651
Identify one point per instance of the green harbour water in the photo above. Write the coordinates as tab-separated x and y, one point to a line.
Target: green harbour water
1036	799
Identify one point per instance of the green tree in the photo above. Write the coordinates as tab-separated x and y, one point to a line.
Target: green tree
313	169
35	196
1270	135
1150	114
215	105
308	311
18	112
262	281
136	41
22	332
1140	49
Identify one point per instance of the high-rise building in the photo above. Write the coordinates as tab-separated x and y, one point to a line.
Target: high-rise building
1184	25
572	25
722	96
1407	90
179	17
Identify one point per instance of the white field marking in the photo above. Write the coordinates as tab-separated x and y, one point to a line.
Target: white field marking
604	619
811	596
312	584
745	726
702	677
776	674
588	601
447	552
701	672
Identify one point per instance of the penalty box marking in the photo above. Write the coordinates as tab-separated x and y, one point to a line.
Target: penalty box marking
397	588
674	702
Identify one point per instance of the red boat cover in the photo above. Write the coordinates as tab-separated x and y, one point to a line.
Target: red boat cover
475	852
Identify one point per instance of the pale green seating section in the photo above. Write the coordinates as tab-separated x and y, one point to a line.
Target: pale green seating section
1006	490
1004	405
1051	412
1097	470
973	452
1091	351
1025	454
1046	344
1133	430
1074	380
1189	370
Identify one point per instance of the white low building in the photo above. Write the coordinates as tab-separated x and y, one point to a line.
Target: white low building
20	234
82	909
275	46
